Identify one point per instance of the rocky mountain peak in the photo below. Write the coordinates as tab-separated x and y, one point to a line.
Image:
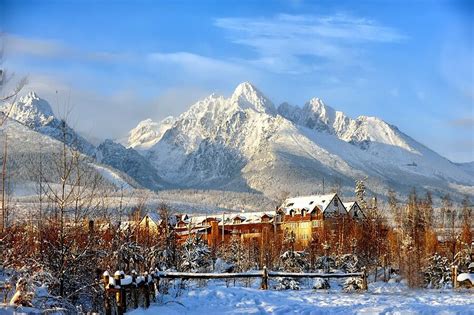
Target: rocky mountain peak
248	96
30	110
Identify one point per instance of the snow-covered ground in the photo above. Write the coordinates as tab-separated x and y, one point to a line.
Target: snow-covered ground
382	298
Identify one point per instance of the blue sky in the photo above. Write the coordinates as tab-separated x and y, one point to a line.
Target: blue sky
116	63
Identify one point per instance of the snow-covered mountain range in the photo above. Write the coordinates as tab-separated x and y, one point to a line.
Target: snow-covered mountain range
244	143
33	132
36	113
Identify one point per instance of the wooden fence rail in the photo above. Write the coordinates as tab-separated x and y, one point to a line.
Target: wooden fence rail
120	285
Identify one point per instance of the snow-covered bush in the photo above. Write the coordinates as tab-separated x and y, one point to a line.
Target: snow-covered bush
347	263
293	261
463	257
353	284
287	284
320	284
325	263
222	266
130	256
437	273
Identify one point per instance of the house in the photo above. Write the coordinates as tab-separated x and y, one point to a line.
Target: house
354	210
304	215
218	229
248	225
150	222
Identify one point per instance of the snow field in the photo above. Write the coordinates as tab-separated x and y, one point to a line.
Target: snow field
382	298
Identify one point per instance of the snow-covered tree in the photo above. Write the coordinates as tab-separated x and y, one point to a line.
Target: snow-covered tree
234	254
437	273
195	255
293	261
327	262
163	255
360	193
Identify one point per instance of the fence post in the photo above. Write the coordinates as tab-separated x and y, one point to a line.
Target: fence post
454	276
119	293
364	280
152	286
158	283
147	291
134	289
106	279
264	285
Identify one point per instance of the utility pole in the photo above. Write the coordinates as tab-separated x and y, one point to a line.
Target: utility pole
4	175
223	223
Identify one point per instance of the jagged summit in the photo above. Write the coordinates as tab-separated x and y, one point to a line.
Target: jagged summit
34	112
248	96
30	110
148	132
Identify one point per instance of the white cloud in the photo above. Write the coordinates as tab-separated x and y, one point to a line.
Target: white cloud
467	122
300	43
15	45
193	62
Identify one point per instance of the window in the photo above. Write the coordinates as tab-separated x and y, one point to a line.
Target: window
336	203
311	202
290	204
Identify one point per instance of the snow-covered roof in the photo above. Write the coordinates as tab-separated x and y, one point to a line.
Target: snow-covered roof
349	205
356	212
201	218
308	203
246	217
229	218
182	217
155	217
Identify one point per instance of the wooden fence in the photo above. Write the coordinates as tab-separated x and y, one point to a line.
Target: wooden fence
122	288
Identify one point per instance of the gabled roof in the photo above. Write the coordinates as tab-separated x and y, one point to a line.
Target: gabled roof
349	205
155	217
247	217
308	203
353	206
193	220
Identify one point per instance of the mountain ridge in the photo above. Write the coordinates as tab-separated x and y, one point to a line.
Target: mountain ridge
246	131
244	143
